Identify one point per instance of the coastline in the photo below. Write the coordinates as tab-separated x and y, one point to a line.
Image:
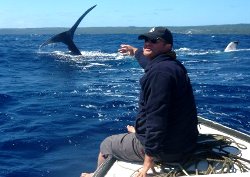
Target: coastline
243	29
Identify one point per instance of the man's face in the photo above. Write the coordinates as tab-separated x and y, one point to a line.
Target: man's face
153	48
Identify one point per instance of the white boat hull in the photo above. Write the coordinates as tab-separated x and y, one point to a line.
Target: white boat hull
124	169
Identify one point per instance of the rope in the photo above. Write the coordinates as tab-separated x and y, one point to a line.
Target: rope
210	150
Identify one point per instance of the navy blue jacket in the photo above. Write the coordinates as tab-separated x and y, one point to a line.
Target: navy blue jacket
167	119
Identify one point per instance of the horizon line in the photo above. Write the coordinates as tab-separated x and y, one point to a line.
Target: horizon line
127	26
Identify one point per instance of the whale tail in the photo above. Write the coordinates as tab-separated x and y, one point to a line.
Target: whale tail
66	37
231	46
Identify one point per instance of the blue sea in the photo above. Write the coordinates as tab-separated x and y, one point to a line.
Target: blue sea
55	109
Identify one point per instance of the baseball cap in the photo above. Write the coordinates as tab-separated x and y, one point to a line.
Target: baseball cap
158	32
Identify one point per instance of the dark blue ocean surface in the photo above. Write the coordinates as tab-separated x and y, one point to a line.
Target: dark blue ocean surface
55	109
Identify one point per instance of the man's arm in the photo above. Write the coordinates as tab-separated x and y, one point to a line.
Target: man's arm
135	52
148	163
127	50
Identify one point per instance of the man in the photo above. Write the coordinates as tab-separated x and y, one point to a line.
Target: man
166	124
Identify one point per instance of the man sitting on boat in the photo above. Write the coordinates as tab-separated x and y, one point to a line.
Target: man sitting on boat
166	124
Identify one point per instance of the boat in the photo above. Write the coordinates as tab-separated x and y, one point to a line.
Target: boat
221	152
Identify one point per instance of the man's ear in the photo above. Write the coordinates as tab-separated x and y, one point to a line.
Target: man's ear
168	46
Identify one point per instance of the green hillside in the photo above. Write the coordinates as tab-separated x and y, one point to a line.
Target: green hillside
210	29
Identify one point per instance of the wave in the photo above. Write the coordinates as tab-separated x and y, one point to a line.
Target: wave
102	56
188	51
87	60
85	54
238	50
89	55
99	59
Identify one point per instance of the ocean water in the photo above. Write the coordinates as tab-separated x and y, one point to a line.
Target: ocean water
55	109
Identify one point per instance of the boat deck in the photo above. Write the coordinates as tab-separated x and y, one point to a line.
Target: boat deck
124	169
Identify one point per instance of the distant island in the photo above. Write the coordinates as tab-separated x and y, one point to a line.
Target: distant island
209	29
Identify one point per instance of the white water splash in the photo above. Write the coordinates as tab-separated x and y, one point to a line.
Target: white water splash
188	51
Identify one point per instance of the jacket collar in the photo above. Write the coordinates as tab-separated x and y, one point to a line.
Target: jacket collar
162	57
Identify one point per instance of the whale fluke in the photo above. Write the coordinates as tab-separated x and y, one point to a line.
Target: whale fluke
67	36
231	46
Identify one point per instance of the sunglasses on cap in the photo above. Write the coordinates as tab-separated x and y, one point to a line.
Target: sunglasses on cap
153	41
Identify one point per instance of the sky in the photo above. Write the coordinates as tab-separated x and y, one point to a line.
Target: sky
122	13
